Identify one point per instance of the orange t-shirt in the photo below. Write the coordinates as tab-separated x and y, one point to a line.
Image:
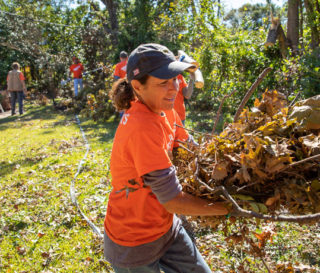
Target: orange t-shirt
141	144
121	69
179	102
179	133
76	69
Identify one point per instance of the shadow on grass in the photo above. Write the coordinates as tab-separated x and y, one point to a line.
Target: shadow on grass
32	111
6	167
103	130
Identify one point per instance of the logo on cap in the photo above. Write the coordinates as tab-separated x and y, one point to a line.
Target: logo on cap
136	72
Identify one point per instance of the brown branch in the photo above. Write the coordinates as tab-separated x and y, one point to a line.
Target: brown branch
250	91
220	109
239	212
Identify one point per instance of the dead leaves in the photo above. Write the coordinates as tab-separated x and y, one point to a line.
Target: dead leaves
219	170
257	157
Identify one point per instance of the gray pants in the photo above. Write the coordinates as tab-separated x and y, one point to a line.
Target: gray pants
181	257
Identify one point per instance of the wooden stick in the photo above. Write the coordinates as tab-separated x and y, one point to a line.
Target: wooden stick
250	91
220	109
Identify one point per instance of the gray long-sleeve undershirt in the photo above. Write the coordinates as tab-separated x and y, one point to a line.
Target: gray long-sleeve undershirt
187	91
163	183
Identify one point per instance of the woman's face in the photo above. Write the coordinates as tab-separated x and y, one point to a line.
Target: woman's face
159	95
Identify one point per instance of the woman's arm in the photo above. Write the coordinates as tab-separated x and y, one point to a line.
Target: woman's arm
24	88
187	204
165	185
187	91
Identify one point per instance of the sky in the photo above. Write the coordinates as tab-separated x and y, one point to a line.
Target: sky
229	4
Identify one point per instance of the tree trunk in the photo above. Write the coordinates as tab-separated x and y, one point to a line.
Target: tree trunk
113	19
193	8
315	40
293	24
219	9
276	32
301	20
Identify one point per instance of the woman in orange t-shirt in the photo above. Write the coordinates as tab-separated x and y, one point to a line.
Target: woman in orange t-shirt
185	92
142	233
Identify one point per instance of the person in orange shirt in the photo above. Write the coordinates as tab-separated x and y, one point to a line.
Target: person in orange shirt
77	69
16	87
185	91
121	67
142	232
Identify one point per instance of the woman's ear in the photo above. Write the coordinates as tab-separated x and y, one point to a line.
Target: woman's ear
137	86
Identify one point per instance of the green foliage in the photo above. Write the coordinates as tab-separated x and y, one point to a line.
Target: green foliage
230	48
250	16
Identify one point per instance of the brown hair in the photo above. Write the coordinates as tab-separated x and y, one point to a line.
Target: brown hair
122	93
15	65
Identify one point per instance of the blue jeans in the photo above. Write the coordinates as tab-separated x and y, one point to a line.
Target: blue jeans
76	82
182	256
16	95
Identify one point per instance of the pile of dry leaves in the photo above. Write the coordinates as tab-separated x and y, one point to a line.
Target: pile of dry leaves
267	162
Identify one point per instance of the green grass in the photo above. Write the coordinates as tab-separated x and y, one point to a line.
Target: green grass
41	230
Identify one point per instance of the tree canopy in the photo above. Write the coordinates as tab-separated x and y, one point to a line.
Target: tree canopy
44	35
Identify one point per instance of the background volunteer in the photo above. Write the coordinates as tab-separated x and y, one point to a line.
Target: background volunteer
185	91
16	87
121	67
142	233
76	69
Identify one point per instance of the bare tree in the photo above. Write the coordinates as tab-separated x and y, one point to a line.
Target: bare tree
113	29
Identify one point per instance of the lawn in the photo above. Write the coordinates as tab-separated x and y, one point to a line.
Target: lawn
42	231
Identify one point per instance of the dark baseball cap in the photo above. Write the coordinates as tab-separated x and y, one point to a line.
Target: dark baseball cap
155	60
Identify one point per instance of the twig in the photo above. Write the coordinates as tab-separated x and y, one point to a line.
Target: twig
190	130
220	109
184	147
294	100
238	211
246	186
302	161
265	264
250	91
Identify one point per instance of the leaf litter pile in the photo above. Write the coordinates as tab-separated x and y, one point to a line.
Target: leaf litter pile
268	161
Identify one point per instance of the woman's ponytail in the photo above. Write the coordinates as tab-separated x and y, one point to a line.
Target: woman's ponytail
121	94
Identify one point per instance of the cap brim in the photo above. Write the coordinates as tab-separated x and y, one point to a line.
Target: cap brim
171	70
